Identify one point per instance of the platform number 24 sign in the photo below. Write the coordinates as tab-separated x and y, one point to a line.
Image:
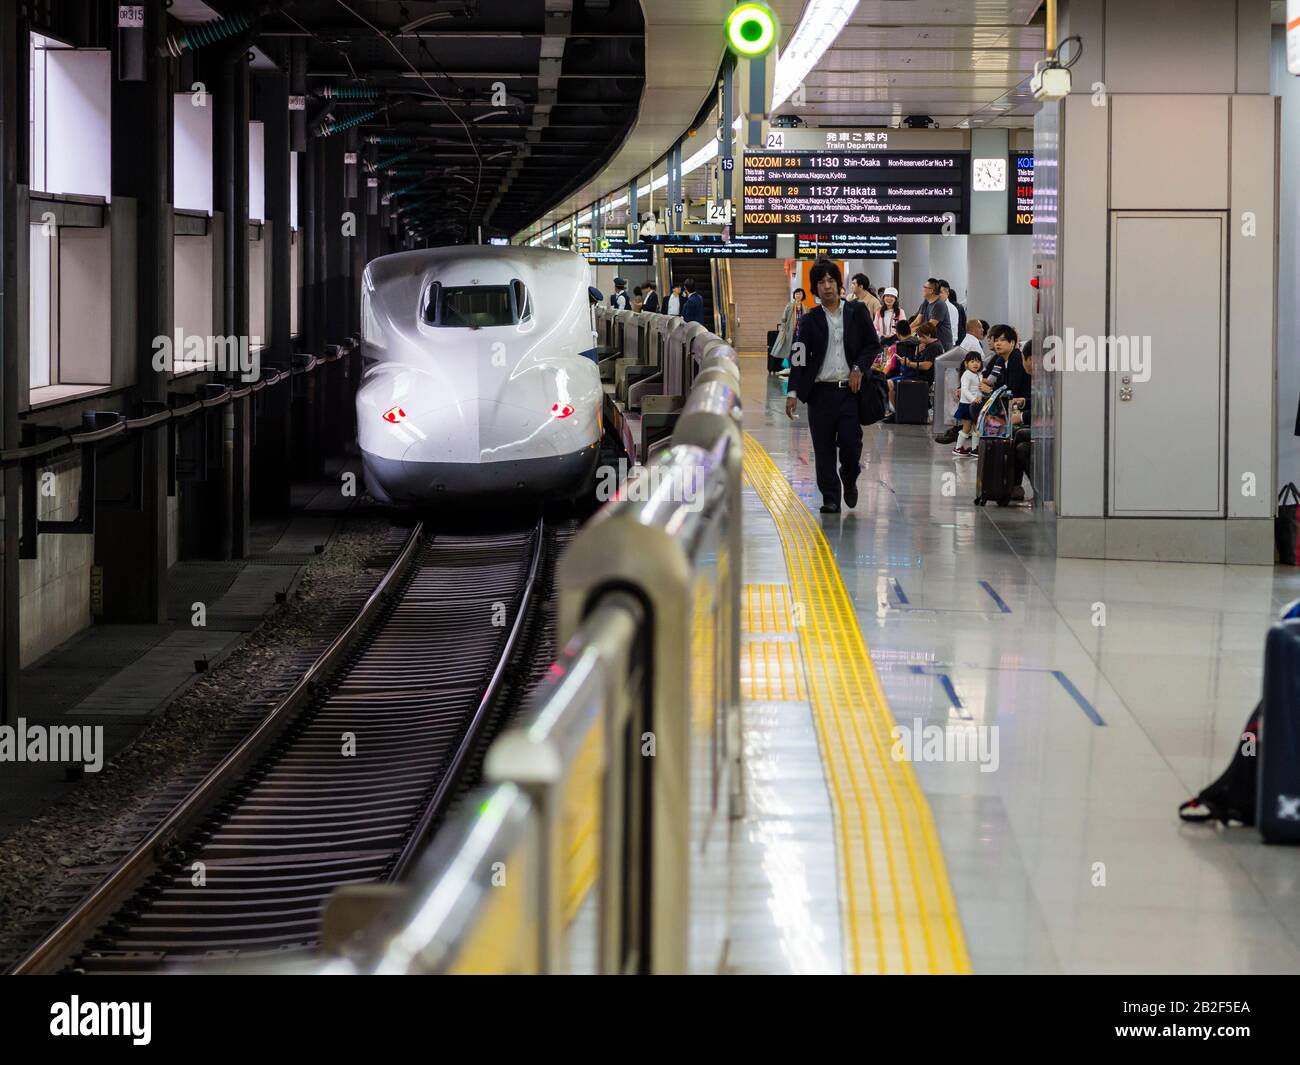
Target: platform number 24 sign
719	212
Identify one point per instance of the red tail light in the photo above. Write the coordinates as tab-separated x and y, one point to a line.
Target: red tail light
394	415
559	410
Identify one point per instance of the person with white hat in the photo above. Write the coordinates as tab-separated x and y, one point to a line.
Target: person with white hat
889	313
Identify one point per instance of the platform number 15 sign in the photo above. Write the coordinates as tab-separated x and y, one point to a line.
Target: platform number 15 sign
130	16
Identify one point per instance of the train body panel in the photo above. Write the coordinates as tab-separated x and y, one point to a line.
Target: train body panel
478	374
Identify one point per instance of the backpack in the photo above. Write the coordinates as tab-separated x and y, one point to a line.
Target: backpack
961	321
1232	796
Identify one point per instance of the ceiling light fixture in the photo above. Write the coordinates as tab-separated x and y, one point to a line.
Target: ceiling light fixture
821	23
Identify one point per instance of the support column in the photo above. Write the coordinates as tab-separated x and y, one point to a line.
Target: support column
726	150
336	246
230	160
274	450
309	234
131	545
13	171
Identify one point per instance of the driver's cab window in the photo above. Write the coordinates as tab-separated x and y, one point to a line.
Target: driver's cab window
523	299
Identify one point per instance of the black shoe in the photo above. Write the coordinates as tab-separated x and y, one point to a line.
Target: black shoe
888	418
948	436
830	508
851	496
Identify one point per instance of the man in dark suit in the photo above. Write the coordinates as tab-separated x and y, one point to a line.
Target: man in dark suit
693	303
651	296
831	357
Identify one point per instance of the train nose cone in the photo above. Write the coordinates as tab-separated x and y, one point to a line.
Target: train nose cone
481	431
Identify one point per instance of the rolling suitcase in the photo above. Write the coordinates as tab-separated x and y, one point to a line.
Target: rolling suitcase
1277	809
995	475
912	401
773	363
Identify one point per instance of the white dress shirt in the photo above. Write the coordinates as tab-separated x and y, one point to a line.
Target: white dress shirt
835	367
971	344
674	304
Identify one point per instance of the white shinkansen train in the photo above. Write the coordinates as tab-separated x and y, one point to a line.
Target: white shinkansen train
480	376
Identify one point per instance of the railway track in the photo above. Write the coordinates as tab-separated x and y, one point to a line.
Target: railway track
346	777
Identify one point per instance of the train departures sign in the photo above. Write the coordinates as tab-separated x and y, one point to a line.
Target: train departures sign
857	192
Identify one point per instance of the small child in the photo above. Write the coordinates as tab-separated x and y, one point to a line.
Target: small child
967	411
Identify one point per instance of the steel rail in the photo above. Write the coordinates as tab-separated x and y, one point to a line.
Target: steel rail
150	854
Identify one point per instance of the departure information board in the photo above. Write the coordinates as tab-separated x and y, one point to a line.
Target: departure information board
616	251
856	192
1020	204
750	246
845	246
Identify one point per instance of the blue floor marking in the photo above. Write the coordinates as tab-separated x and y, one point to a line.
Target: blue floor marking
996	598
1079	698
898	590
949	688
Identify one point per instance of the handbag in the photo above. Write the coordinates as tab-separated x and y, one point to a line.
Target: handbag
873	397
1285	525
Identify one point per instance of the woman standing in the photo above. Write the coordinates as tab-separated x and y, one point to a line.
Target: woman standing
889	314
787	331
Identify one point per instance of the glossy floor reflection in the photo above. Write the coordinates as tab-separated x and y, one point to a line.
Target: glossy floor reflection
1117	690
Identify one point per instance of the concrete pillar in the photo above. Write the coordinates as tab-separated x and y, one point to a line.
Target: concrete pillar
988	208
1155	219
131	544
913	268
1287	86
948	260
13	172
273	459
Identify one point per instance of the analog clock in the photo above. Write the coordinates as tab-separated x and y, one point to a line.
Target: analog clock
990	175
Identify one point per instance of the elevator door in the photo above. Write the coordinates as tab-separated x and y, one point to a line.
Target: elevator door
1168	280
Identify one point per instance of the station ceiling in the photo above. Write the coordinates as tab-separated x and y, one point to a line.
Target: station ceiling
956	61
513	103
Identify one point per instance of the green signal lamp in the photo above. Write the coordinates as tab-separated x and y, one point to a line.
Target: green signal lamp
751	30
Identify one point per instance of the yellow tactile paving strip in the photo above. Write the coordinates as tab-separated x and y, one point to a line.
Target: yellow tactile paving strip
897	907
766	608
771	670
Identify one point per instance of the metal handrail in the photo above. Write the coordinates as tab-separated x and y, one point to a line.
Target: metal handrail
68	441
653	574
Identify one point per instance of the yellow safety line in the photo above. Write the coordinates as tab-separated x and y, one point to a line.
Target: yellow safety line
896	902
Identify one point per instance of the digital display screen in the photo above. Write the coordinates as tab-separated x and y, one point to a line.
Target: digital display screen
845	246
756	246
862	192
683	238
616	251
1020	203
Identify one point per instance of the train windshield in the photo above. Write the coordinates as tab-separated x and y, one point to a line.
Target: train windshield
475	306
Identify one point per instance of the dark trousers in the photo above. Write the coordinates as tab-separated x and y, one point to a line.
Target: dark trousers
833	420
1024	456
